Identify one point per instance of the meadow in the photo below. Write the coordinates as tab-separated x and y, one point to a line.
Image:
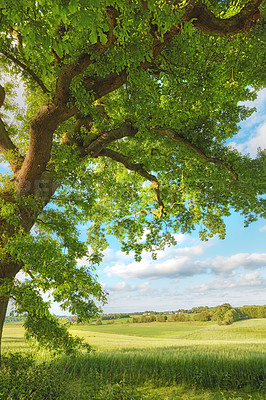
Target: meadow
167	360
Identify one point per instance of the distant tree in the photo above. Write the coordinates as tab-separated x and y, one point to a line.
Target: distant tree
199	309
143	318
161	318
203	316
254	311
119	93
221	311
226	314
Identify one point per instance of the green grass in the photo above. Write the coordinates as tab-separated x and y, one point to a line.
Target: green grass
172	360
153	329
248	334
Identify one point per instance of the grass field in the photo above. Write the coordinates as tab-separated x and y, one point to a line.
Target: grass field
171	360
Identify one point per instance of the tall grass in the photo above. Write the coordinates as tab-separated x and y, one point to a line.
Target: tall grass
134	375
198	367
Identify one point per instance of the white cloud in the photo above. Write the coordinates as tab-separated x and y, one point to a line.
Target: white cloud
111	256
256	141
4	167
238	146
253	134
172	262
245	260
259	104
263	228
122	286
185	262
247	282
21	276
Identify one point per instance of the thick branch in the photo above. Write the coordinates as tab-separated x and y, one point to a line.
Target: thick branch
179	139
207	22
47	120
25	68
96	145
69	71
202	18
42	128
2	95
139	168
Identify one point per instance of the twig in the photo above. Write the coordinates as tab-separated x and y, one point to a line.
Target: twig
27	69
179	139
139	168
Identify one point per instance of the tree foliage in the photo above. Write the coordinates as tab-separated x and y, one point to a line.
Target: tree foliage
118	94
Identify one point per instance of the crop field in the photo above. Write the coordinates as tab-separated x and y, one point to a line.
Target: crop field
168	360
165	334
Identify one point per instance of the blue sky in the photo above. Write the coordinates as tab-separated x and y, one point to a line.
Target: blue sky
194	273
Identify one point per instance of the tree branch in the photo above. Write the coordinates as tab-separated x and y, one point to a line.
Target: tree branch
207	22
42	128
97	144
202	18
179	139
26	69
2	95
49	116
69	71
139	168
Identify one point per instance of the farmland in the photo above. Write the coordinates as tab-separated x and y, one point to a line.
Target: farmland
171	360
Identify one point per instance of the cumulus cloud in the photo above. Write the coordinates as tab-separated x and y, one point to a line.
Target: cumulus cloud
122	286
172	262
181	267
185	262
253	135
244	282
111	256
256	141
257	117
245	260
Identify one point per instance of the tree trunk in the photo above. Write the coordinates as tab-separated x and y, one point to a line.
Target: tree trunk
3	308
7	274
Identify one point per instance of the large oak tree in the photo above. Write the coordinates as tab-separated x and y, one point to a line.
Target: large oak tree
119	93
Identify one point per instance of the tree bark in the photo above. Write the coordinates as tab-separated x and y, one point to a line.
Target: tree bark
3	309
7	273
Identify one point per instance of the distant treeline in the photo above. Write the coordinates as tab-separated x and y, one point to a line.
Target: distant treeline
13	319
114	316
150	318
224	314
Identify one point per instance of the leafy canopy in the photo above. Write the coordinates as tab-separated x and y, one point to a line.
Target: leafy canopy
129	106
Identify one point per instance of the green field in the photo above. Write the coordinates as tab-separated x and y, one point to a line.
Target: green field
171	360
173	333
